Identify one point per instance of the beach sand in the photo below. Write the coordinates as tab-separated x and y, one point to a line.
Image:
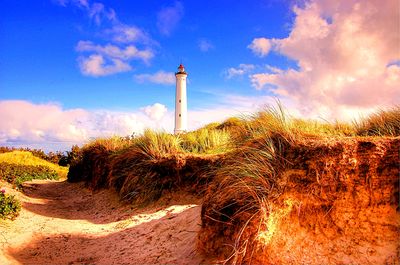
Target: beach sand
66	223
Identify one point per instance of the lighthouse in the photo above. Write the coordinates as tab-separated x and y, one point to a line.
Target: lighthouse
180	101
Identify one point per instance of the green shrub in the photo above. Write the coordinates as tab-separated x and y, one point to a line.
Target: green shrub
17	174
9	206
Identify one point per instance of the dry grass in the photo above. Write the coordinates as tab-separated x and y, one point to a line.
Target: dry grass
238	195
113	143
141	154
157	144
207	141
383	123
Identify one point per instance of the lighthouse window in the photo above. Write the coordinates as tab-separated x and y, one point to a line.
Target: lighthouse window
179	101
179	115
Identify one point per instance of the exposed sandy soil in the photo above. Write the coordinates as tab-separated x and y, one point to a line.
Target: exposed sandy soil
65	223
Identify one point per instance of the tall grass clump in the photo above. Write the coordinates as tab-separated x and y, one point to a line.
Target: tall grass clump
316	128
268	121
91	163
276	120
113	143
143	170
382	123
128	165
149	165
238	196
206	141
157	144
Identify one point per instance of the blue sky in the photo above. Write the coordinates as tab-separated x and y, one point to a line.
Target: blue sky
40	60
85	68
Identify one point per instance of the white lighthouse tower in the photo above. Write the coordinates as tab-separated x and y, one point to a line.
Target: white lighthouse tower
180	101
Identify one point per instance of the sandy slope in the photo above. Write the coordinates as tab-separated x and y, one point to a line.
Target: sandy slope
64	223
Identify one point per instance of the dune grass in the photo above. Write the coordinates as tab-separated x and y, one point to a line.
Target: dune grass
157	144
207	141
131	162
113	143
383	123
28	159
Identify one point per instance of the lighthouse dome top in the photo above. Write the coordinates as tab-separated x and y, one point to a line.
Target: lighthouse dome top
181	70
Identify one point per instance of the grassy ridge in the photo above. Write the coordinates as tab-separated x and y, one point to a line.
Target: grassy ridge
17	167
28	159
127	163
140	169
16	174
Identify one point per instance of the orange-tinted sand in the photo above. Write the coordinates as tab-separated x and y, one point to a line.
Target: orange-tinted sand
64	223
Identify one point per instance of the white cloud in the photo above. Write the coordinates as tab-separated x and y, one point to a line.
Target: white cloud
160	77
113	51
344	51
124	40
169	17
95	65
109	59
155	112
23	121
205	45
260	46
128	34
51	127
239	71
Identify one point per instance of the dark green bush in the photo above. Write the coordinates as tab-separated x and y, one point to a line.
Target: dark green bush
17	174
9	206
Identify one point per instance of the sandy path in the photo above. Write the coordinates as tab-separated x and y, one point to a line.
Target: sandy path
64	223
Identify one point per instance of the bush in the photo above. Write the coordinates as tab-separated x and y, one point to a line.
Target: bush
17	174
9	206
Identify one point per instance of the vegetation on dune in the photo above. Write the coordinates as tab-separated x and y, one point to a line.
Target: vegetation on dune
141	168
382	123
16	174
250	195
17	167
207	141
275	193
129	162
28	159
58	157
238	165
9	206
